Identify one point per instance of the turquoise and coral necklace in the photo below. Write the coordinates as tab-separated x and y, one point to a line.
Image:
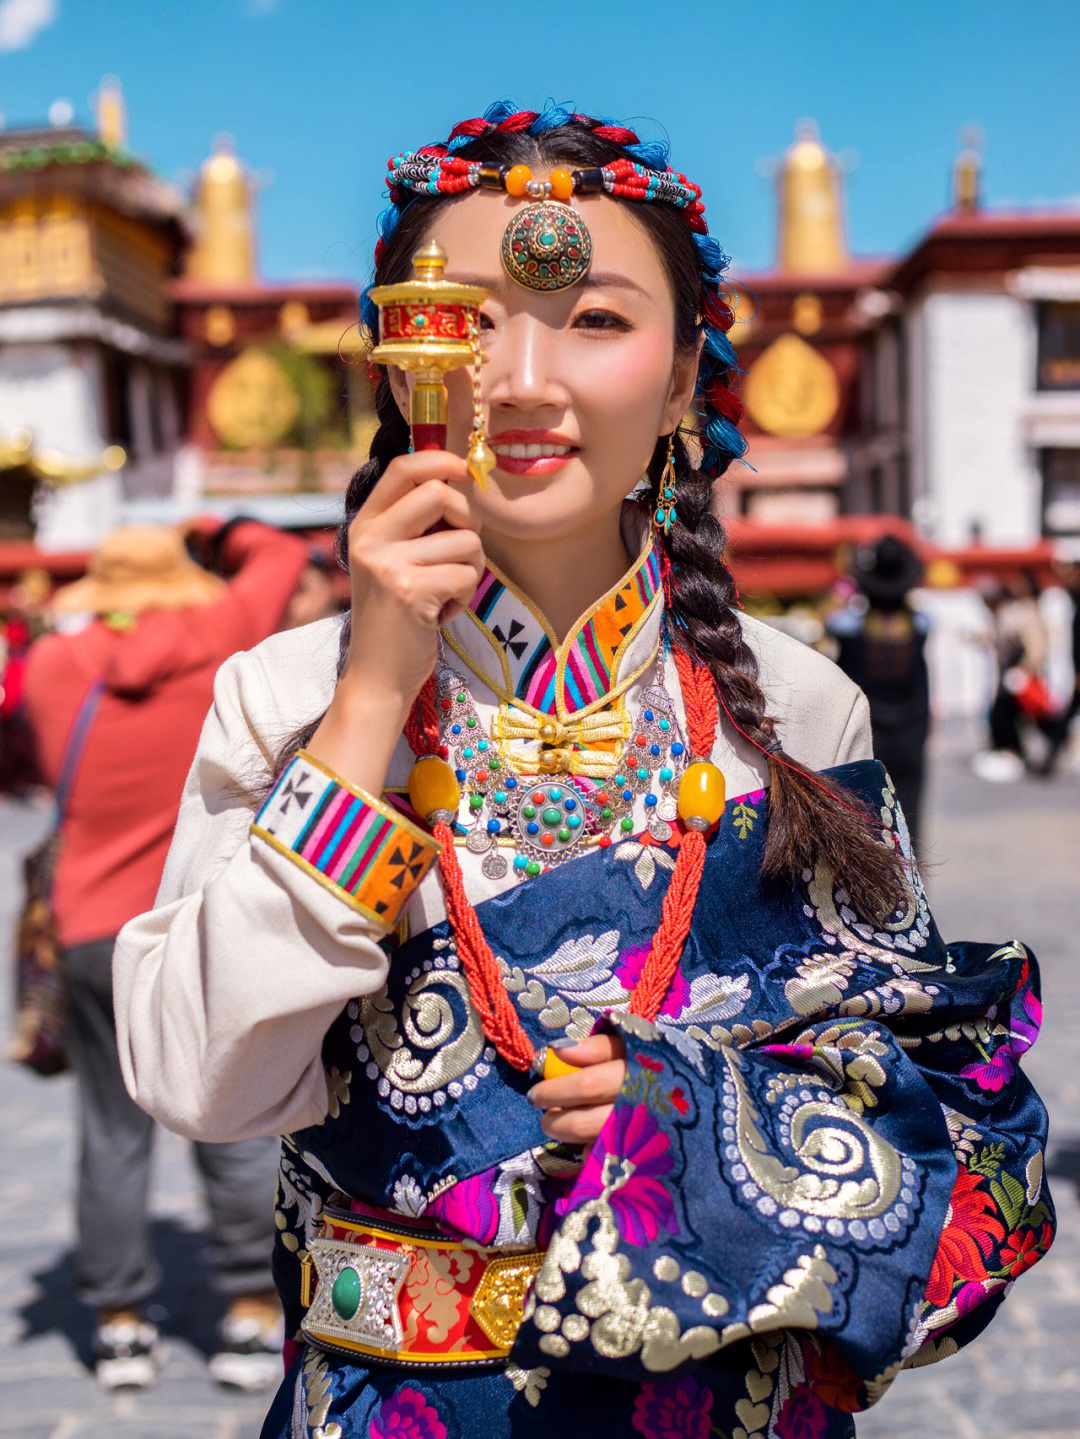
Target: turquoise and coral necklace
511	807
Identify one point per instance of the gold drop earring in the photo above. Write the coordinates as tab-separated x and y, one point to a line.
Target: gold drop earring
665	515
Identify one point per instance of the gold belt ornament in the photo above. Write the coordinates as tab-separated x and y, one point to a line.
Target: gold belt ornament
405	1295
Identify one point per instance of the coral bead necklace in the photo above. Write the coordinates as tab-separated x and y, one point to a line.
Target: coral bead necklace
435	794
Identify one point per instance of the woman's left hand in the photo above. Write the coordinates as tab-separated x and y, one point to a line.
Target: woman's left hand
576	1105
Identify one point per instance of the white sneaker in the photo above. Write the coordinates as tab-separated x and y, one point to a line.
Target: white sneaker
249	1353
126	1354
997	766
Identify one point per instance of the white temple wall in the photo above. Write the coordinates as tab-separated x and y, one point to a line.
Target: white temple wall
972	373
54	391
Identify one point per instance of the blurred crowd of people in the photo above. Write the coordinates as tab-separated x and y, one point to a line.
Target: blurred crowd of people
144	632
147	626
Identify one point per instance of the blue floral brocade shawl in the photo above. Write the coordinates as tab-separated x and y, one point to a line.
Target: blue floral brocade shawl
824	1164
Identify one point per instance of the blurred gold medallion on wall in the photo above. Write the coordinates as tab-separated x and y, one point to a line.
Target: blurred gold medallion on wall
252	402
791	390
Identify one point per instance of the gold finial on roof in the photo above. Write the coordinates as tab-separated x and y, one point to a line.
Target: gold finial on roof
111	114
224	248
967	172
811	225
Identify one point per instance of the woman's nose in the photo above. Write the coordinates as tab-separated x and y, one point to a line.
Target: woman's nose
523	372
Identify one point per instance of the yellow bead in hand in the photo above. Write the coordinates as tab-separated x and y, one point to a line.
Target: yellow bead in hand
554	1066
433	787
701	792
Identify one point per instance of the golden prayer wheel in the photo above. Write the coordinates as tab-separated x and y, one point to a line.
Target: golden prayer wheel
428	326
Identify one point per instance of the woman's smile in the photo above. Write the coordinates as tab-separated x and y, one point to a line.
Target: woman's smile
531	452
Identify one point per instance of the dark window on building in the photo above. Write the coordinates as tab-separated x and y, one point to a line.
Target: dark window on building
16	504
1059	345
1061	492
117	399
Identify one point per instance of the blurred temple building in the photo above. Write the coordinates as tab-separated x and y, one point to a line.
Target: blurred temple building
144	365
942	385
148	372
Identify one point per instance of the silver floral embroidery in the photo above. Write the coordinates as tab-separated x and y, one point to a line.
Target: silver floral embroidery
647	859
530	1382
408	1196
582	972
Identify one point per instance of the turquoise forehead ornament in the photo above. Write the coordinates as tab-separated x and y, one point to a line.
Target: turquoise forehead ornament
546	247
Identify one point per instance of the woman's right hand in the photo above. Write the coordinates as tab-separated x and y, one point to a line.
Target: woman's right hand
408	577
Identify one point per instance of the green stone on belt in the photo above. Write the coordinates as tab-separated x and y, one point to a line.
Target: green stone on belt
552	816
345	1295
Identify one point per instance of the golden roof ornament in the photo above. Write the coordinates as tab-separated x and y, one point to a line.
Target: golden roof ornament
811	225
111	114
967	173
224	249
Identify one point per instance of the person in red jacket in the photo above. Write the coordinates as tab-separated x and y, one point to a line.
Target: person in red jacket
157	626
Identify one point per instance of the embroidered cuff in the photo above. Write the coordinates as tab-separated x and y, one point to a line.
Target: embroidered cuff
367	853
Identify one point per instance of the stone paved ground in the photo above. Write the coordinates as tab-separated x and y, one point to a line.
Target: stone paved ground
1006	863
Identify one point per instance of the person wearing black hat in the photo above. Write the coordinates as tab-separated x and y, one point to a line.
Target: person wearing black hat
881	644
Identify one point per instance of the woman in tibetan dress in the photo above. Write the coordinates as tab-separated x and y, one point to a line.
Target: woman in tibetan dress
606	1106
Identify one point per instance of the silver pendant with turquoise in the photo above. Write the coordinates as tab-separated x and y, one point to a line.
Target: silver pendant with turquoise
546	820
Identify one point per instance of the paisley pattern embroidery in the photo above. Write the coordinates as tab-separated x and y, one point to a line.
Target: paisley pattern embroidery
822	1166
434	1049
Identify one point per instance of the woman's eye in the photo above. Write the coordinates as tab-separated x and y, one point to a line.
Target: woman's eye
600	320
486	322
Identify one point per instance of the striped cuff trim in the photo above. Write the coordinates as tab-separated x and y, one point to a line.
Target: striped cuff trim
371	856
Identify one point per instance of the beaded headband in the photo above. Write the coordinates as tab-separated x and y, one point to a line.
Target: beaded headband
642	175
548	245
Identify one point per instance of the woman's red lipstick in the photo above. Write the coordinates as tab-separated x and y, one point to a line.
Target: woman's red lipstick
537	441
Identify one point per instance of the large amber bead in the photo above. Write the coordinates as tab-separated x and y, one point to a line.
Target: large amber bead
517	180
554	1066
701	792
433	786
562	184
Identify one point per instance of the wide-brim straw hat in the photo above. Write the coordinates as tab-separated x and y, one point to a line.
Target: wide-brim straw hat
139	568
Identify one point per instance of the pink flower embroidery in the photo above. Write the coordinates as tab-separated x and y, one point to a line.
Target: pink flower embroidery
994	1073
406	1415
673	1409
1025	1030
636	1145
802	1415
469	1207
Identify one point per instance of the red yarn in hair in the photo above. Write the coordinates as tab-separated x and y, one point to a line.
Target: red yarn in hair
725	402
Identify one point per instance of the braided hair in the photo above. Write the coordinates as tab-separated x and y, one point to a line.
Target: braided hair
811	818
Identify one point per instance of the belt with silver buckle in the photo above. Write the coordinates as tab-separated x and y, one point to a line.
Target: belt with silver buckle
401	1293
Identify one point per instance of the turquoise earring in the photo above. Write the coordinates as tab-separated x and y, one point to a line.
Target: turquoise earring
665	515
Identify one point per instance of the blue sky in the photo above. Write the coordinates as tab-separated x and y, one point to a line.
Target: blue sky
318	94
